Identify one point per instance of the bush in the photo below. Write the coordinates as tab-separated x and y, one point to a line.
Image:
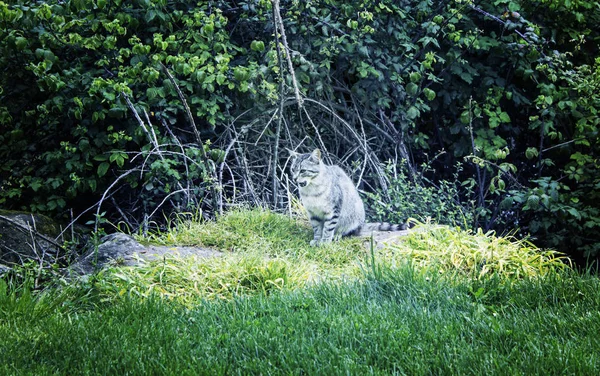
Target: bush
90	69
509	89
418	198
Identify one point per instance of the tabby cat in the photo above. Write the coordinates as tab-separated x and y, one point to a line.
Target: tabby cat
334	207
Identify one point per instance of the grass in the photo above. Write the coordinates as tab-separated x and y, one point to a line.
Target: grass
478	255
271	306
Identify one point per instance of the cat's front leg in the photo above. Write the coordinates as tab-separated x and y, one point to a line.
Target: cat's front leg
329	227
317	226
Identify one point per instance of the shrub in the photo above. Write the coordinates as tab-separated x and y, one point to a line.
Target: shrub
418	198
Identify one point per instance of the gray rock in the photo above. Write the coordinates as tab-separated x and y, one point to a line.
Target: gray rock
4	269
26	236
120	249
382	239
117	248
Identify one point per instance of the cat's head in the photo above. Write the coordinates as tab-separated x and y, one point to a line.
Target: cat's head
305	167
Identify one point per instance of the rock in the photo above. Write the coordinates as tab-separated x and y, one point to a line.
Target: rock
382	239
26	236
157	252
4	269
120	249
117	248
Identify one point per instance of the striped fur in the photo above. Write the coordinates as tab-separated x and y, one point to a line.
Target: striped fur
382	226
331	200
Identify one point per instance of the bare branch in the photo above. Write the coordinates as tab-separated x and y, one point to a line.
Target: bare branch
203	155
279	25
29	229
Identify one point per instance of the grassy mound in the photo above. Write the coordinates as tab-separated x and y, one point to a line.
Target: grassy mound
265	252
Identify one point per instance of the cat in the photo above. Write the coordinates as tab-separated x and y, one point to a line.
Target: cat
331	200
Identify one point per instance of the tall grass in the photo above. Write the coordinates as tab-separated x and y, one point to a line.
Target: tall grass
476	254
274	305
190	279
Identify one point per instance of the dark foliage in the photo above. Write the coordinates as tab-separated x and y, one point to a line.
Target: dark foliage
508	89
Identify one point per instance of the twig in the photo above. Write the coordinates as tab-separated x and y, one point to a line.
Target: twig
265	128
28	228
106	193
114	202
187	169
276	16
234	189
289	195
279	25
185	105
480	179
203	155
563	144
34	248
503	171
505	24
401	145
233	141
316	130
164	200
149	130
364	143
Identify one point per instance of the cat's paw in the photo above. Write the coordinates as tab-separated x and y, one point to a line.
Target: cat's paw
320	242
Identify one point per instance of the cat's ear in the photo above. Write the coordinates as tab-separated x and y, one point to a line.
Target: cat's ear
293	154
316	155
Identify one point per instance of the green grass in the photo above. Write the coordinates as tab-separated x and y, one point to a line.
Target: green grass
478	255
284	311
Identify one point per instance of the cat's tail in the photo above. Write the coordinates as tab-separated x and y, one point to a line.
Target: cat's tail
382	226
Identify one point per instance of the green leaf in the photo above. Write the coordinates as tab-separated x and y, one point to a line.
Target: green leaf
412	113
109	96
533	202
150	15
494	122
531	153
240	73
257	45
118	158
506	203
103	168
465	117
574	212
21	43
501	184
429	94
411	88
504	117
35	185
415	76
151	93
